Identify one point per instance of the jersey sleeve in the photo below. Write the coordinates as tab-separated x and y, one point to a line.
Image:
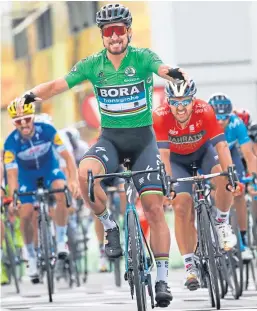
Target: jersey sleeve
160	130
241	131
10	154
55	138
214	129
152	61
78	73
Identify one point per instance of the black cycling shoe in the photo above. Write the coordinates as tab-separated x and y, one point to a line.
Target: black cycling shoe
112	247
163	295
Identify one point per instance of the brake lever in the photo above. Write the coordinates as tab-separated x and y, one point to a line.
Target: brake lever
232	177
67	196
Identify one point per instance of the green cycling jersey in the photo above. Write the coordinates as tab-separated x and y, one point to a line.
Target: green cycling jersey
125	95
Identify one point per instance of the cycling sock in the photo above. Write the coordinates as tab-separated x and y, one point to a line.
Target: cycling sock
106	221
244	237
162	264
222	217
61	234
31	250
188	261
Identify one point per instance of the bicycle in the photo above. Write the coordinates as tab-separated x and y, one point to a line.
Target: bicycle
12	261
138	257
209	256
45	240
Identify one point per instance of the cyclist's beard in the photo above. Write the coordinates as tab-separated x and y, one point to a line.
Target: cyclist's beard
121	51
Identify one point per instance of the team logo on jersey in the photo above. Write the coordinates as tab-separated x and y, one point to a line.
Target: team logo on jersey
57	140
74	69
8	157
191	128
130	71
187	139
149	80
122	100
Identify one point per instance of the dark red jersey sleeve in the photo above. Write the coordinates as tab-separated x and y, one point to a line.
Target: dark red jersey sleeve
160	127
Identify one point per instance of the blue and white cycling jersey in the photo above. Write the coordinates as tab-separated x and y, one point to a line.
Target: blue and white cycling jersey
236	132
36	153
34	157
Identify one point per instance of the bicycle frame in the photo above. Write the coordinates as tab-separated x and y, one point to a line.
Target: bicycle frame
131	196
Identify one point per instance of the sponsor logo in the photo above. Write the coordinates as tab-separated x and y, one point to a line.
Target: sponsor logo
149	80
115	92
161	111
173	131
100	74
131	80
8	157
130	71
100	149
191	128
120	100
199	123
74	69
234	123
187	139
57	140
34	152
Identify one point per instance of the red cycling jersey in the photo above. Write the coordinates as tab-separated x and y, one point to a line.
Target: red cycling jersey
202	127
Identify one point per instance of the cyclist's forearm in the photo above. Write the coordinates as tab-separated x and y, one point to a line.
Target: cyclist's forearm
71	167
165	157
12	179
224	154
250	158
49	89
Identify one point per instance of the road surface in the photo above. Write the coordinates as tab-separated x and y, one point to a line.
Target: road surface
100	294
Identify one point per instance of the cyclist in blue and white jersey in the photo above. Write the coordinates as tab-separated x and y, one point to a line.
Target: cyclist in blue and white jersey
236	135
30	154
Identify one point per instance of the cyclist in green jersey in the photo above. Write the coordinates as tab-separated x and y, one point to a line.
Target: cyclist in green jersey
122	77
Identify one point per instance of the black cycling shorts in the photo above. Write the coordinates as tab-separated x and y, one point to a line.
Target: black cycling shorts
205	158
138	144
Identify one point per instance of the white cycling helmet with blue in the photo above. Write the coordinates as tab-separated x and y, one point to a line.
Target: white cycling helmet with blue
177	90
222	105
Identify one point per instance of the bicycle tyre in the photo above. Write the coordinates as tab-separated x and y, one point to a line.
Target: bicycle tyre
212	269
73	246
46	248
117	272
11	257
135	250
238	263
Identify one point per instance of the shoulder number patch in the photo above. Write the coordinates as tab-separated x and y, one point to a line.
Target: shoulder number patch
8	157
57	140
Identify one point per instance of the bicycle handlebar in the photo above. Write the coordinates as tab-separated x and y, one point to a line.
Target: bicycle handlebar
166	180
125	175
42	192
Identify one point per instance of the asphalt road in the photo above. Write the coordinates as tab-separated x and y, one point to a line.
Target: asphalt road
100	294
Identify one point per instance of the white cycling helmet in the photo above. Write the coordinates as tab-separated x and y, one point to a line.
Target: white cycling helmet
180	88
43	118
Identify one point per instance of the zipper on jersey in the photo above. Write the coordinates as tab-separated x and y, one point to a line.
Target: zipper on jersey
36	158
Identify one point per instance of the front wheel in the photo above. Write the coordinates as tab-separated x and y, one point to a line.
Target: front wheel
45	232
136	253
209	254
11	256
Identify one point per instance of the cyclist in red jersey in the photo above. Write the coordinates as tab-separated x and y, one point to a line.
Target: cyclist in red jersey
187	131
